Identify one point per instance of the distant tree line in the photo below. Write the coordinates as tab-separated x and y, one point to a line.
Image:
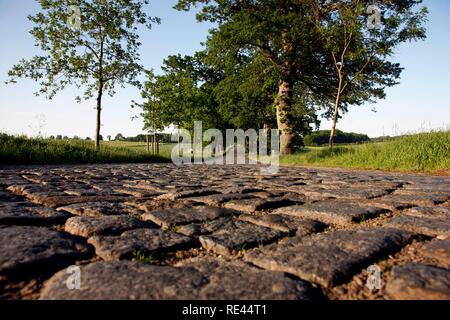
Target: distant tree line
163	137
321	137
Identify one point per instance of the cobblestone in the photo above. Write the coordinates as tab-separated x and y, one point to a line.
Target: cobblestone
413	281
221	232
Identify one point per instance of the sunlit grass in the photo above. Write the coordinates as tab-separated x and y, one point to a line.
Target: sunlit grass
22	150
423	152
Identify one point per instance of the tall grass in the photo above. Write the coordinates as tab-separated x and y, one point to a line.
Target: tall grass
423	152
22	150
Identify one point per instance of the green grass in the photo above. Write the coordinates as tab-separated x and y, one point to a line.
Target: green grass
22	150
145	257
165	149
423	152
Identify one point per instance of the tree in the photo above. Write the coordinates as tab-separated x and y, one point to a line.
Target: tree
246	92
59	137
181	95
87	43
119	137
360	47
109	138
281	30
151	108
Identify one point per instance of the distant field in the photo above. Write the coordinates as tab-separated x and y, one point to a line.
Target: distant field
165	149
424	152
21	150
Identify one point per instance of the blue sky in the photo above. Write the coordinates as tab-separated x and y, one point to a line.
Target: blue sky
420	102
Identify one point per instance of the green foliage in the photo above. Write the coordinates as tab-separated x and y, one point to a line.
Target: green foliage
307	48
181	95
319	138
423	152
103	48
361	54
21	150
269	59
98	54
145	257
195	88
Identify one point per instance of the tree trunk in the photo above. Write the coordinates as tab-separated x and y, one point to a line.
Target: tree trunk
333	128
283	104
285	93
336	112
99	111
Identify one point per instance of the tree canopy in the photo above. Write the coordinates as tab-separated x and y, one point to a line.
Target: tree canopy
91	44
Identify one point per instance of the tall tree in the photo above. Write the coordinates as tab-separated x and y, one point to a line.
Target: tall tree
183	94
359	38
87	43
281	30
153	115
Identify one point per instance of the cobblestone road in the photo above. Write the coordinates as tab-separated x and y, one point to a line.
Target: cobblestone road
222	232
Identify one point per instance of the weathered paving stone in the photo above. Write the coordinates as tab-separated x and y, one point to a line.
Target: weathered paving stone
238	235
438	212
235	280
345	193
6	196
180	216
331	258
139	240
152	205
28	250
242	190
32	191
413	281
104	225
428	226
145	185
24	213
186	194
288	224
197	229
391	205
218	199
60	201
429	199
108	192
430	190
335	212
94	209
253	205
211	279
126	280
439	250
139	193
81	192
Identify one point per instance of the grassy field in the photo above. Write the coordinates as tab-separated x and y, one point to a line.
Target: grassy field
424	152
21	150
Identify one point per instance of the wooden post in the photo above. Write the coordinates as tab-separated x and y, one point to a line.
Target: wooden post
148	143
